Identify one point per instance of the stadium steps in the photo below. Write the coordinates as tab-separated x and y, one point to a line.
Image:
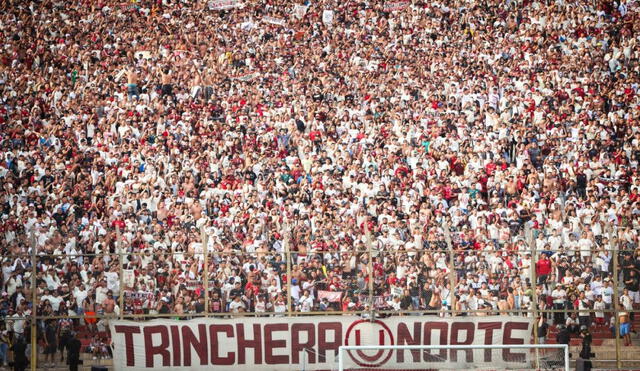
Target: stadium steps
87	360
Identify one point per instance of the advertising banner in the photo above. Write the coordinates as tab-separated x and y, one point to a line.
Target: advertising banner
288	343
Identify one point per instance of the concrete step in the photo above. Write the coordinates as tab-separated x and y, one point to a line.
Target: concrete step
80	368
88	362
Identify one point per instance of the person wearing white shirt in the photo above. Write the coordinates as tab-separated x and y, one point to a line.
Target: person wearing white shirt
261	305
295	290
305	304
585	244
583	305
607	293
237	305
80	293
18	324
55	299
559	296
280	306
626	301
395	303
599	306
596	286
52	280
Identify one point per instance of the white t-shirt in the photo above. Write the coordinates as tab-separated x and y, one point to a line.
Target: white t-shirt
306	304
235	306
55	302
18	324
599	307
80	295
585	245
101	294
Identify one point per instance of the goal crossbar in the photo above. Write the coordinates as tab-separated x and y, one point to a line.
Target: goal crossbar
345	348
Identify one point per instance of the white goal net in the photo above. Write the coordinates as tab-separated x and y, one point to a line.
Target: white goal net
453	357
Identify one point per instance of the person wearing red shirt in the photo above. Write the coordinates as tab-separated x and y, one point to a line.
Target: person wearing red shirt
543	268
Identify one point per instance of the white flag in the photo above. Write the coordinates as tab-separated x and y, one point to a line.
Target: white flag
327	17
299	11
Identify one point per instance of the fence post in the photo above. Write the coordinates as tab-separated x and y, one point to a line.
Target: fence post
534	280
287	254
616	308
369	266
452	271
34	305
120	272
615	255
205	272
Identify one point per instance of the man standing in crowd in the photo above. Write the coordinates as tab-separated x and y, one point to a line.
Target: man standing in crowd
73	352
19	350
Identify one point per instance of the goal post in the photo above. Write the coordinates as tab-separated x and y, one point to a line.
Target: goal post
530	356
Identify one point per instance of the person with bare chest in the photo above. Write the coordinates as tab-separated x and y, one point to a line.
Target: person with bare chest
132	84
165	79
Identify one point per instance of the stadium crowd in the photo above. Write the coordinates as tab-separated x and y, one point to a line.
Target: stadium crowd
161	129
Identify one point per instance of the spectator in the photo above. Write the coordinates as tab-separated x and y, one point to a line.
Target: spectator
563	336
625	325
98	348
572	324
19	349
599	307
543	328
543	268
559	296
50	342
237	305
584	315
146	145
5	341
73	352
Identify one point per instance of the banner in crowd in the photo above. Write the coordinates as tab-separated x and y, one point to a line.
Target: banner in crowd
391	6
247	77
327	17
224	4
139	295
331	296
288	343
274	20
128	277
300	10
195	284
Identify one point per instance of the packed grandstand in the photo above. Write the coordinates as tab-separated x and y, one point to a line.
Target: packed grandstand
450	158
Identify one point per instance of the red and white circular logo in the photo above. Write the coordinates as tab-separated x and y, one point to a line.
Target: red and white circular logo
365	332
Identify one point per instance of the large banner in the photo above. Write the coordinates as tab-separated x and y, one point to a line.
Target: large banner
284	343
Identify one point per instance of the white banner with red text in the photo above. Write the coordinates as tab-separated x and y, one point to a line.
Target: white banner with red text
288	343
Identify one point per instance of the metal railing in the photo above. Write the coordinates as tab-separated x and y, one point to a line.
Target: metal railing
370	252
